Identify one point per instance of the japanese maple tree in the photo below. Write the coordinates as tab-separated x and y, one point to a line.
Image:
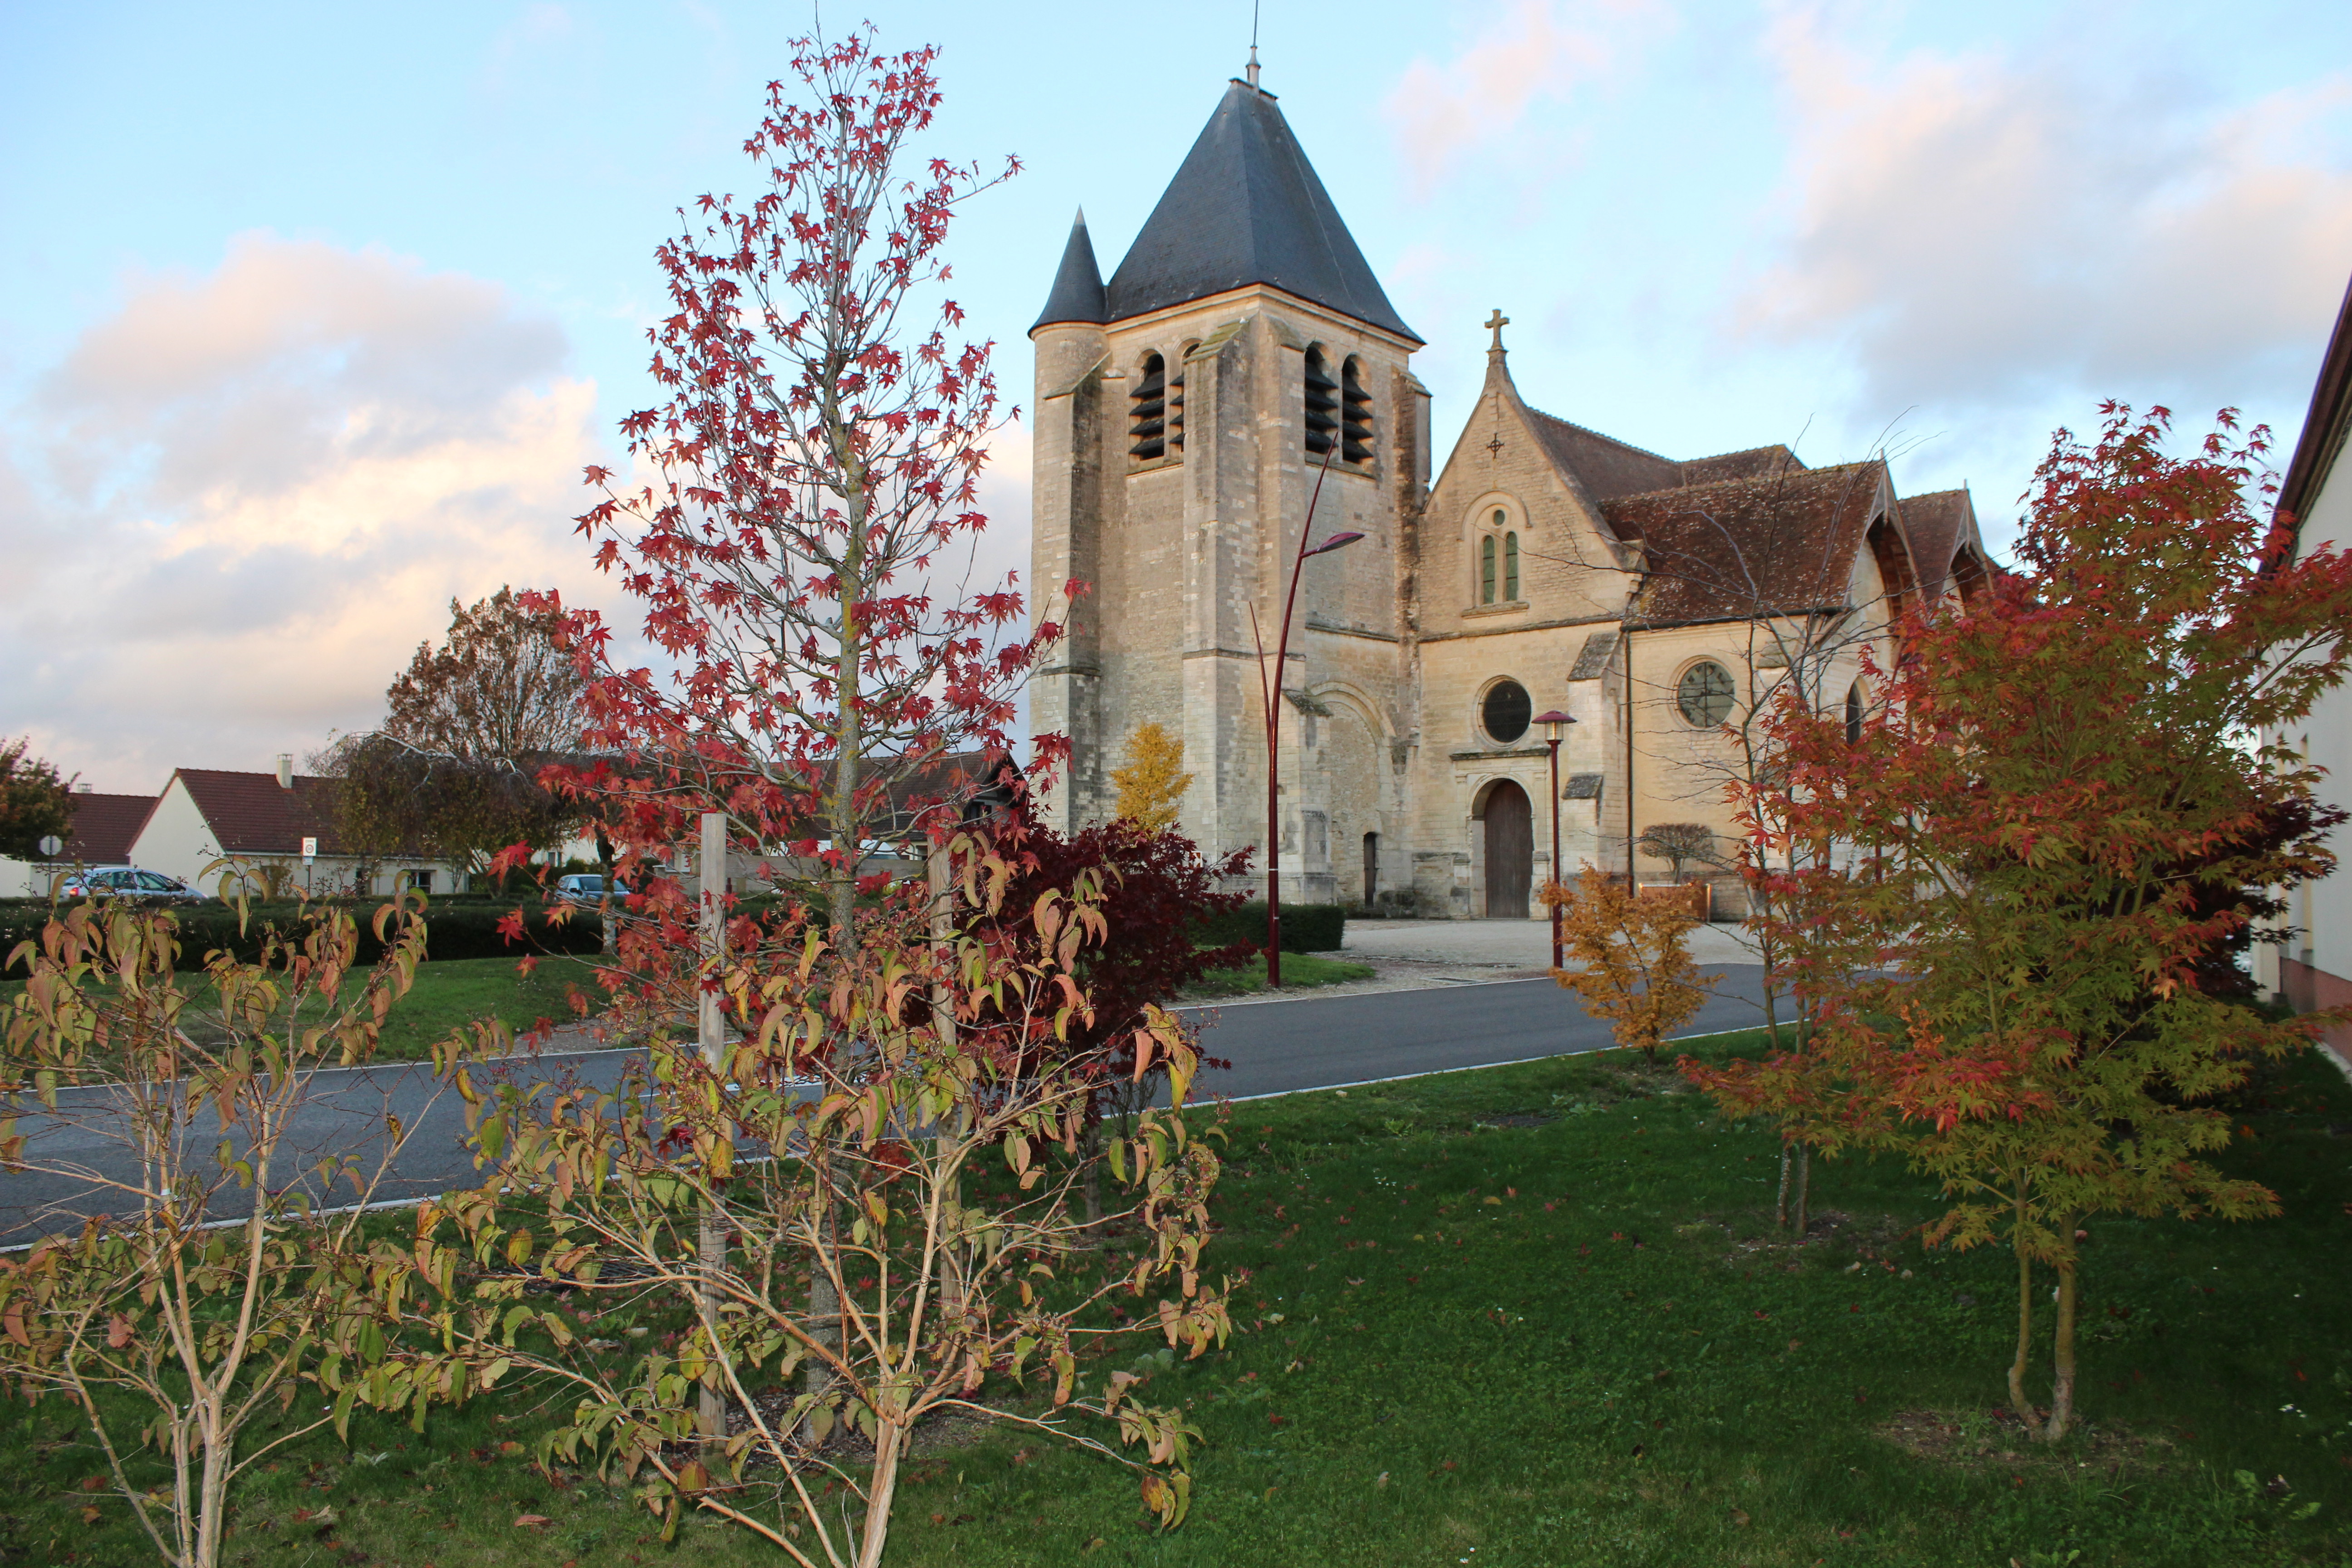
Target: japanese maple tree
2055	819
809	496
1628	959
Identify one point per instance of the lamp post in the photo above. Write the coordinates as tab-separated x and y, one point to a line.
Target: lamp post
1272	692
1555	725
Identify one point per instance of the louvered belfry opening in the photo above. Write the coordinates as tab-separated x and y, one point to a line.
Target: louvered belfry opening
1355	414
1148	410
1322	403
1176	406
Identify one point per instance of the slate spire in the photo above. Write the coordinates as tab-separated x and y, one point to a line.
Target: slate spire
1078	293
1247	207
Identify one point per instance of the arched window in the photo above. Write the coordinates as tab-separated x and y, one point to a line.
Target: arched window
1148	410
1704	695
1322	404
1355	414
1853	714
1499	580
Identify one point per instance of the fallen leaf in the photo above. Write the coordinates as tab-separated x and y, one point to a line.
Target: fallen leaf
1739	1517
90	1515
93	1483
524	1519
511	1446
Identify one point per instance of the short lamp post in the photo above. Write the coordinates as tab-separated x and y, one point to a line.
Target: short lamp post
1555	725
1273	694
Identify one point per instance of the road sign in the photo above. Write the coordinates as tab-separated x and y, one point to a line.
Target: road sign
51	844
310	850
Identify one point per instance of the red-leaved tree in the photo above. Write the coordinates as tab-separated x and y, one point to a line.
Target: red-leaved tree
1156	889
2055	827
810	500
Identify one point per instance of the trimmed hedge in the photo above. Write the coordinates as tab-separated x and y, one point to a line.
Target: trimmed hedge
1305	927
451	931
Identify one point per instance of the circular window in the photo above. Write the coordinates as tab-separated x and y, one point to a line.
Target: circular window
1505	711
1706	694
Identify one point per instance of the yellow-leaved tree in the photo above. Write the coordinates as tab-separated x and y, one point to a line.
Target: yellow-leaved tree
1153	782
1627	959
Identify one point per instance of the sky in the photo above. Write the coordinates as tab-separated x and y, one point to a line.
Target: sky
311	316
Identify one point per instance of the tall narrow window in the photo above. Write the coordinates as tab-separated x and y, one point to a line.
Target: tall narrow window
1355	414
1322	404
1148	410
1853	714
1486	570
1176	408
1511	567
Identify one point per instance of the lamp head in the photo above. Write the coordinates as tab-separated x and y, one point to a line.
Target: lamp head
1554	724
1337	542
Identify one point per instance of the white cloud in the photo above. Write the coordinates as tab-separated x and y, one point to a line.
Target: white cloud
244	498
1973	229
1536	51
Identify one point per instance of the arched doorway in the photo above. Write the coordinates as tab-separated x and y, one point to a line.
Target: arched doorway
1510	822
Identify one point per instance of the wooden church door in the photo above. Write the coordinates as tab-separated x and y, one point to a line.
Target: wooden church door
1510	851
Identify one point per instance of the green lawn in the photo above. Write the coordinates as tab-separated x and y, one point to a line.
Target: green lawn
1535	1316
451	993
1299	972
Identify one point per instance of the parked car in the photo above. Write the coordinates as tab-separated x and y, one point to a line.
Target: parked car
587	889
126	882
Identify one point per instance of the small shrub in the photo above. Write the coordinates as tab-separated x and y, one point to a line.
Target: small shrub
1305	927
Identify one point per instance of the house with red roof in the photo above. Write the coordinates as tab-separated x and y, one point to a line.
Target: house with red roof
281	825
104	827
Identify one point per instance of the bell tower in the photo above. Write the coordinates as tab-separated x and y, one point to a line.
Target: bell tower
1184	413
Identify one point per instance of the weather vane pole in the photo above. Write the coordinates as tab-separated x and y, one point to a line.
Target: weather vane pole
1252	59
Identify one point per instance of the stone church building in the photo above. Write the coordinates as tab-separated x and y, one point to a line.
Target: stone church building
1243	361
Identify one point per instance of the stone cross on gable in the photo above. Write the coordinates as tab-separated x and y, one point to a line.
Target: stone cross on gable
1498	322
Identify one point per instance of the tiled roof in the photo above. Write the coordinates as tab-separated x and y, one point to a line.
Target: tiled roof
1780	544
1245	206
104	827
1606	465
1936	524
249	813
1755	463
1611	468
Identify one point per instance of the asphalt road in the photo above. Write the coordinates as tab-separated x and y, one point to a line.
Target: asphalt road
1276	1047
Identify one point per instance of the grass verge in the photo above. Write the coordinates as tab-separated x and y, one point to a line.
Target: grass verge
448	994
1300	970
1527	1316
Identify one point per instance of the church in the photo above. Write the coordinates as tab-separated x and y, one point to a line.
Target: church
1242	365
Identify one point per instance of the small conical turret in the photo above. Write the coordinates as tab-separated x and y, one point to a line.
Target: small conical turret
1078	293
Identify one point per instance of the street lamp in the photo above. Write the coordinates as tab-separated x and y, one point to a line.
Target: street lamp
1554	724
1272	692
